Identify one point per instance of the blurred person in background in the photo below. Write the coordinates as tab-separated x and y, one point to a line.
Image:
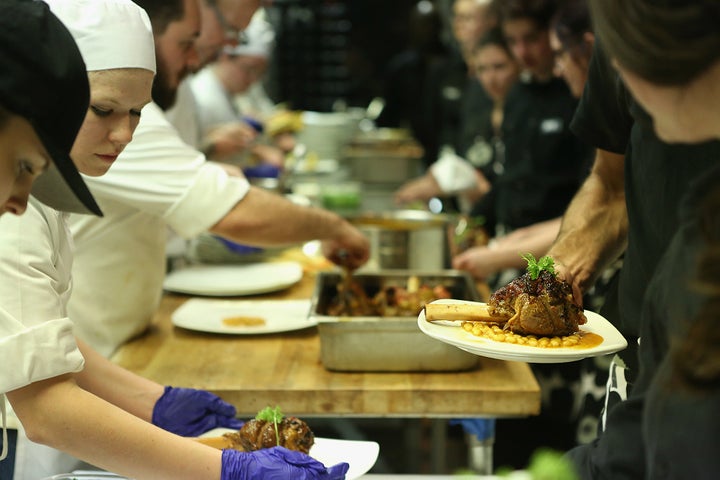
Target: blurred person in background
215	89
222	24
524	205
162	182
407	72
447	81
572	39
479	140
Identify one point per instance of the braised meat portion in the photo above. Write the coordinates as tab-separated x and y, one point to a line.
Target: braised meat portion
542	307
390	301
292	433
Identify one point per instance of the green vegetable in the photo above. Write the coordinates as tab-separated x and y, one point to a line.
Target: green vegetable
536	266
273	415
547	464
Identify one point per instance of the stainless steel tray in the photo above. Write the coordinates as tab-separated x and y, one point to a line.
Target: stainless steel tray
385	344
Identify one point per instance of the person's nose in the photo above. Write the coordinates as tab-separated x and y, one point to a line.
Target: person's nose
192	59
122	132
17	203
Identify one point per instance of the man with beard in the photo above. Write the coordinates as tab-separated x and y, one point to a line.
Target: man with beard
222	22
160	181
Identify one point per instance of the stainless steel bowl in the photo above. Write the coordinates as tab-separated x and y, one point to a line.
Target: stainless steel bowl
407	239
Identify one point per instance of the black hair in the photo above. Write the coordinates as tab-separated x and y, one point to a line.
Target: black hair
494	36
696	356
162	12
571	22
538	11
5	116
666	42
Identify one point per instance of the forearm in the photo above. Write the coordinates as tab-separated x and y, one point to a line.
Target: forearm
58	413
546	231
132	393
535	239
265	219
594	227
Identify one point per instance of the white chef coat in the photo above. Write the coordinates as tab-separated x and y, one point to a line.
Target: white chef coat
36	335
255	102
119	266
184	116
214	105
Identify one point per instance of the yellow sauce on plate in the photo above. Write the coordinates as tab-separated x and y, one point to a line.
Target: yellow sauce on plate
493	332
242	321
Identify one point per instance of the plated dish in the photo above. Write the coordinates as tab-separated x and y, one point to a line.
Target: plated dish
452	333
234	280
360	455
243	317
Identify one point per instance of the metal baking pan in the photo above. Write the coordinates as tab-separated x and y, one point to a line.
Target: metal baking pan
387	344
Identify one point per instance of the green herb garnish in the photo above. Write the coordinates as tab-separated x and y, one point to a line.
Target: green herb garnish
273	415
536	266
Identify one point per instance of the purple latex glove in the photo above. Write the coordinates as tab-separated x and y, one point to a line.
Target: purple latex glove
189	412
277	463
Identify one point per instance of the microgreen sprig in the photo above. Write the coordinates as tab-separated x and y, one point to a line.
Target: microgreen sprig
273	415
536	266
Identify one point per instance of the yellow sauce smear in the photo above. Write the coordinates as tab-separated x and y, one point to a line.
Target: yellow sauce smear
496	333
243	321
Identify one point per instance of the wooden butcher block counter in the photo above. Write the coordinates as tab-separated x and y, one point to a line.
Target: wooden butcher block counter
253	371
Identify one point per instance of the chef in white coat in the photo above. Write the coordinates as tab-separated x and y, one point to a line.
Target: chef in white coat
160	181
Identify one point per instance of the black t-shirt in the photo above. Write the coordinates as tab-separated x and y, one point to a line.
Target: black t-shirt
544	162
442	103
656	177
681	426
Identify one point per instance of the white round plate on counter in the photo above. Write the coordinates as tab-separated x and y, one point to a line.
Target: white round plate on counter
215	316
360	455
233	280
452	333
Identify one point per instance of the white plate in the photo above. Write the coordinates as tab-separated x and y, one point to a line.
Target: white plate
207	315
231	280
360	455
451	332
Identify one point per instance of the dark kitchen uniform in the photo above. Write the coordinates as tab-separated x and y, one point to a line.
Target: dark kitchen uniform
544	162
477	139
681	425
657	176
442	103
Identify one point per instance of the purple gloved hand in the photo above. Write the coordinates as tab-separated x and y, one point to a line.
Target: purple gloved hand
189	412
277	463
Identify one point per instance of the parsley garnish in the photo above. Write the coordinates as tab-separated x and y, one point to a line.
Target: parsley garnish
536	266
273	415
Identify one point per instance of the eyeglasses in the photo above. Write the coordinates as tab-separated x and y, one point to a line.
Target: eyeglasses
233	35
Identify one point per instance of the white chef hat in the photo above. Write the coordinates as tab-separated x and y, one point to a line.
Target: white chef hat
257	39
109	33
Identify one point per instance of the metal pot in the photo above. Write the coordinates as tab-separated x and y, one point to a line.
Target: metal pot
407	239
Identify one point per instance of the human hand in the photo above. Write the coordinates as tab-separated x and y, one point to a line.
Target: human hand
480	262
277	463
189	412
423	188
575	281
270	155
349	248
230	138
